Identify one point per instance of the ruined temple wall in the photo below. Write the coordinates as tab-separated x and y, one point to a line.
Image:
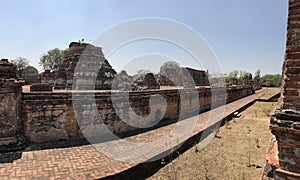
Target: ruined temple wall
10	97
48	116
9	111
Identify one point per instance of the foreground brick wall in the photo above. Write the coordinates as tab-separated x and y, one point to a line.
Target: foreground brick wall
10	96
285	123
48	116
291	67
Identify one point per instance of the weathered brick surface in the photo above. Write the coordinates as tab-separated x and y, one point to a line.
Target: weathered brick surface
150	81
40	87
9	113
48	77
85	162
281	174
10	98
182	76
51	116
285	122
291	66
7	69
84	67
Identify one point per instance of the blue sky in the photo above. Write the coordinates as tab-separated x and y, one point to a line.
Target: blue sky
245	35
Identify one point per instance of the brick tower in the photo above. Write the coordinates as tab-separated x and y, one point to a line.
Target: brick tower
285	123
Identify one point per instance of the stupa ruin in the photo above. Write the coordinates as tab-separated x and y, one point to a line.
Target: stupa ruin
93	64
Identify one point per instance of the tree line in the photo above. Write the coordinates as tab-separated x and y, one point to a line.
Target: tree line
54	57
268	80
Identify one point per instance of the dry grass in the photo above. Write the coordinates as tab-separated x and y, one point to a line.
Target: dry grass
227	157
269	92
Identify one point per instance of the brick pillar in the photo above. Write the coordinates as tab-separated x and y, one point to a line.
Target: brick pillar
10	100
285	123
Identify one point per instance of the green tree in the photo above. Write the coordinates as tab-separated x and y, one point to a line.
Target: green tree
170	65
52	59
271	80
257	73
236	77
232	75
142	72
257	78
241	77
20	63
30	73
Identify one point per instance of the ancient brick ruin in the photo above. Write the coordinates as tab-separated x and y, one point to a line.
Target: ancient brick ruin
50	116
178	77
7	69
150	82
10	99
94	65
39	116
48	77
200	77
46	115
285	123
122	81
72	75
41	87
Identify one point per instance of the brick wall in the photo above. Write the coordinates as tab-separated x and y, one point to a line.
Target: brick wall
50	116
10	97
291	66
285	123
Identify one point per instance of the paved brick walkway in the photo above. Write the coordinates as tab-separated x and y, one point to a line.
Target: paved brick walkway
86	162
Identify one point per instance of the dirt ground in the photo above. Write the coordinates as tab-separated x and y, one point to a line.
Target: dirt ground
237	151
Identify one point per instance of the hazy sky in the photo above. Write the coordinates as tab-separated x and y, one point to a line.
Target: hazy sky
244	34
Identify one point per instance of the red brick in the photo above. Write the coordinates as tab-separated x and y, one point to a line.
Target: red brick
293	70
291	93
293	63
283	174
290	150
293	55
295	99
294	11
291	106
293	168
291	85
294	18
292	78
293	26
294	4
293	42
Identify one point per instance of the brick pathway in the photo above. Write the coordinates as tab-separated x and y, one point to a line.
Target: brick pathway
85	162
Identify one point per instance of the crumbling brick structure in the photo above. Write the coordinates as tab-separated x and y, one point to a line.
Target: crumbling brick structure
285	123
94	71
10	97
48	77
200	77
7	69
150	81
178	77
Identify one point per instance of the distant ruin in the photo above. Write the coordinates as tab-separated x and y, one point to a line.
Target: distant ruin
178	77
86	77
64	112
10	99
95	66
7	69
48	77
